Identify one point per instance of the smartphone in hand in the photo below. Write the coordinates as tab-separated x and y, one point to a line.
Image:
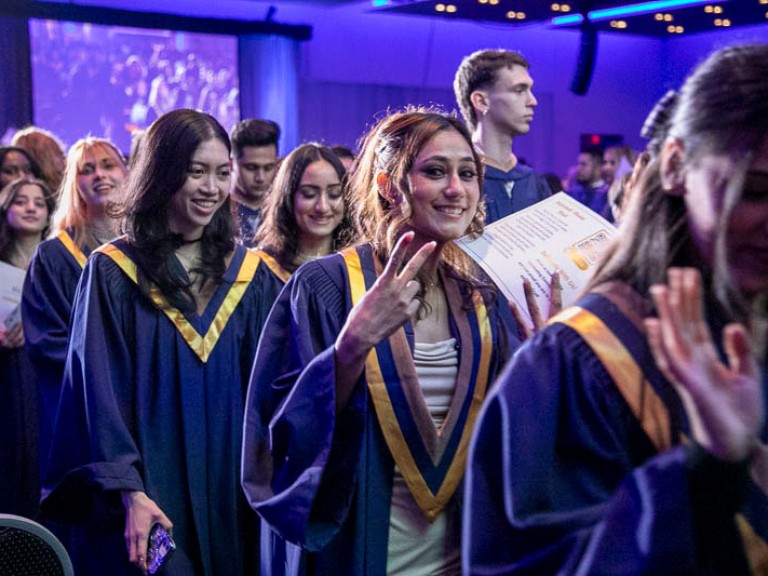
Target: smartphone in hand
159	548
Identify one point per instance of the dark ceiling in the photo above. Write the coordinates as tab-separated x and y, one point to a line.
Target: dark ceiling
665	18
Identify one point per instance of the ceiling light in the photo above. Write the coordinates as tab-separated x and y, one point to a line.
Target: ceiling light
658	17
440	7
708	9
565	8
452	8
555	7
566	20
642	8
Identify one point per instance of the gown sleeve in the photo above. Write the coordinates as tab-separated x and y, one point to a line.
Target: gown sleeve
562	480
93	453
299	456
49	289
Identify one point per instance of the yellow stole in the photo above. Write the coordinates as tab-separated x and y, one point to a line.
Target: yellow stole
72	248
652	413
431	461
201	345
272	264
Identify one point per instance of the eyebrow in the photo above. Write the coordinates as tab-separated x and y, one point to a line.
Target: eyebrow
446	159
200	163
317	187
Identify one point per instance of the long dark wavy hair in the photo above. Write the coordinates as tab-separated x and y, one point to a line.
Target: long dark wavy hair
722	110
159	172
391	147
279	235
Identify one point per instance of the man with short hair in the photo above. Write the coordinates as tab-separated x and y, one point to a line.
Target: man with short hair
494	91
254	163
589	188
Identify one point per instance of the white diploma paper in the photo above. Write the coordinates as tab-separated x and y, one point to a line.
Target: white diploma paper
558	234
11	283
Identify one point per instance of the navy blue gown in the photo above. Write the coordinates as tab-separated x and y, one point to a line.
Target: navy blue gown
152	400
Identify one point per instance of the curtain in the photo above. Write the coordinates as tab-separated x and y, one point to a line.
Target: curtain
16	85
269	83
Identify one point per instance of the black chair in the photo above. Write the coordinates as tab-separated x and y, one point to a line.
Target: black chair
29	549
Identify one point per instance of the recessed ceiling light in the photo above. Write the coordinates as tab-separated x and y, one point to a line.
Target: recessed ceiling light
555	7
440	7
451	8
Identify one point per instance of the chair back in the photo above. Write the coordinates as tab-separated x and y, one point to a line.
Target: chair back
29	549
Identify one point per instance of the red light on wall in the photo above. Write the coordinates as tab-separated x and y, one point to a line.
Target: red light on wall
595	139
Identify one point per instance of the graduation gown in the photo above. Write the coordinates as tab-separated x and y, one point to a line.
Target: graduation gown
152	400
324	480
19	423
49	290
578	465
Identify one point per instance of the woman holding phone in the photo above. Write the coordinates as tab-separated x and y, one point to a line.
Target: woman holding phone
164	329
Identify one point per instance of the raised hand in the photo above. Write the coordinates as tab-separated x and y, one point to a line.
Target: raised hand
555	305
724	402
385	307
141	513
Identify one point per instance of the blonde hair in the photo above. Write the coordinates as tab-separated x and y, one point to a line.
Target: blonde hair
72	210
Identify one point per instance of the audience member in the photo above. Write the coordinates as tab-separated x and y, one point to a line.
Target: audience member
92	186
374	363
164	330
344	154
306	214
590	189
16	163
494	91
25	208
254	164
591	458
47	151
617	161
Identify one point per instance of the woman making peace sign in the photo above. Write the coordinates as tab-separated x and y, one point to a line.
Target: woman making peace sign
356	432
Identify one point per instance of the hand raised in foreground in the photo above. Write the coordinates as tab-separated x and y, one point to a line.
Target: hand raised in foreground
141	513
723	402
525	331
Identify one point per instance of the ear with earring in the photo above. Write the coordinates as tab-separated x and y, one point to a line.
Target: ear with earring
387	191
